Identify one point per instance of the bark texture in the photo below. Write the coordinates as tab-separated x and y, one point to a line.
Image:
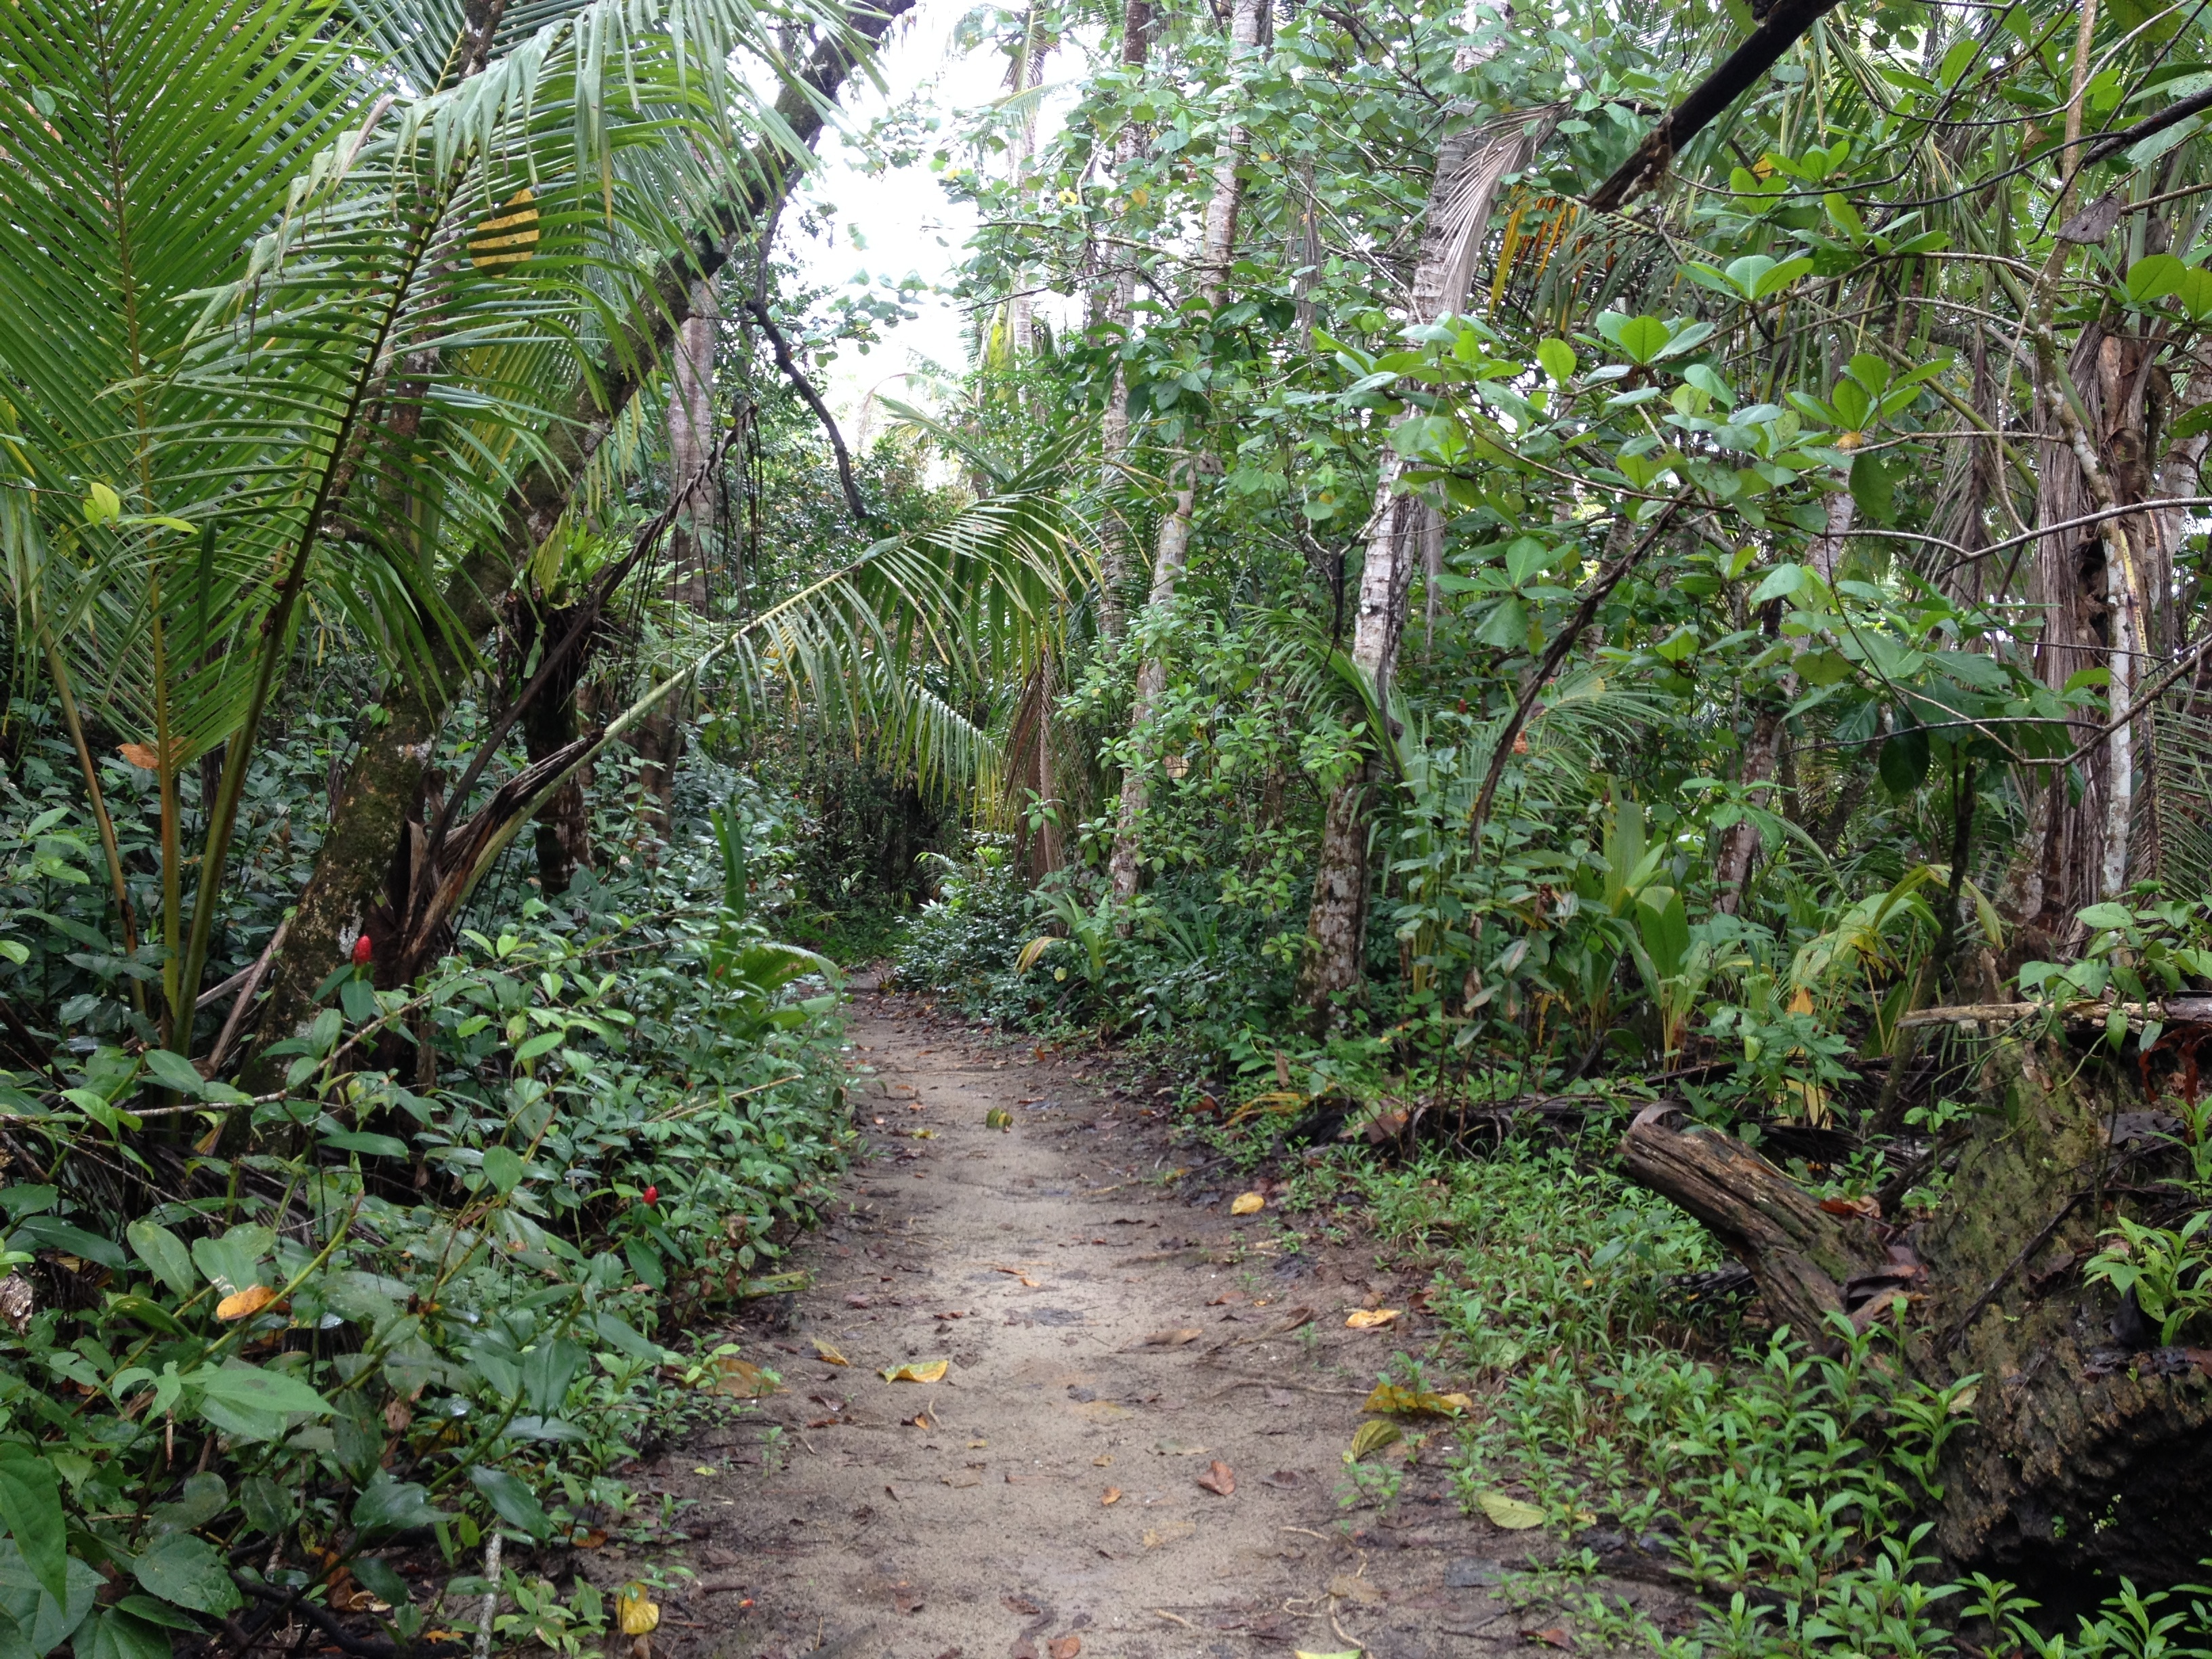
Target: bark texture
385	784
1470	166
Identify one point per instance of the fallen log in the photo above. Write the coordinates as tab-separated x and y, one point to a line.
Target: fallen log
2091	1452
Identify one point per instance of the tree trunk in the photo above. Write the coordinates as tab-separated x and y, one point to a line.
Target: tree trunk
1124	866
1120	303
2092	1446
1218	251
384	782
550	722
1469	168
660	743
1026	75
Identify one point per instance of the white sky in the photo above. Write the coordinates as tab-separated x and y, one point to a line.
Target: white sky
905	218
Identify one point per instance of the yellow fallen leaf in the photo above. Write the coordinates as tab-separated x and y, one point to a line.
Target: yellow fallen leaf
918	1370
1113	1495
828	1354
1167	1532
1367	1319
706	1468
1405	1402
1509	1512
636	1614
1373	1435
1248	1204
240	1304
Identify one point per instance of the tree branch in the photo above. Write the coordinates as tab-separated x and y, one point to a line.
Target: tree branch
1784	27
812	399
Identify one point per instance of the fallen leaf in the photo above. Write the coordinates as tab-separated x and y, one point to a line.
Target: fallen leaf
636	1614
1225	1298
1097	1462
1171	1339
240	1304
1407	1402
1866	1204
906	1598
1349	1588
828	1354
1509	1512
1113	1495
1218	1478
1301	1653
1168	1532
918	1370
1367	1319
1280	1478
1064	1647
858	1302
1028	1609
1373	1436
1248	1204
919	1420
743	1378
1551	1636
706	1468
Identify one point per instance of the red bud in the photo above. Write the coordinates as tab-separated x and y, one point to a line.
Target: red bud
650	1194
363	949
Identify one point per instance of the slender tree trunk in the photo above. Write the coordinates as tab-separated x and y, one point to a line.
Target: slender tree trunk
1028	74
1121	305
660	743
1218	252
1469	168
384	782
1172	555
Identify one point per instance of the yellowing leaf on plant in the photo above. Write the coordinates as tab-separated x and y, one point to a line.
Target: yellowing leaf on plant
1032	952
1407	1402
1372	1436
828	1354
636	1614
241	1304
1248	1204
918	1370
508	239
1370	1319
1509	1512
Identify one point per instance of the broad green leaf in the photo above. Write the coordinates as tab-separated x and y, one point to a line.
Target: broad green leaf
1558	360
2107	916
512	1499
1702	377
1824	667
47	1232
1773	281
164	1253
1781	582
1642	338
233	1260
1514	1514
42	1622
366	1143
388	1505
185	1569
31	1504
1873	487
172	1071
2154	276
1903	763
117	1633
1851	403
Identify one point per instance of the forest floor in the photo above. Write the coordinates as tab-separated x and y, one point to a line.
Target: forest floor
1107	1328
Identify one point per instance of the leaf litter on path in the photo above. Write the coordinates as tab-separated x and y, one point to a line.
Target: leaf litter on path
917	1370
1219	1478
1370	1319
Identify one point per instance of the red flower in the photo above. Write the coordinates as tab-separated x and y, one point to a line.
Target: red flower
650	1194
363	949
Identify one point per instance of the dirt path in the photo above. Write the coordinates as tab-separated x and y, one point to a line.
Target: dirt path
1104	1332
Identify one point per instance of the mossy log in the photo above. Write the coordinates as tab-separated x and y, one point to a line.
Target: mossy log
2090	1455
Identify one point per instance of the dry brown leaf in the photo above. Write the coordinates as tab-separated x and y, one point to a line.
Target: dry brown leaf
1168	1532
1551	1636
1064	1647
1219	1478
917	1370
1248	1204
1172	1338
1113	1495
1349	1587
828	1353
742	1378
1101	1460
240	1303
1369	1319
139	755
965	1478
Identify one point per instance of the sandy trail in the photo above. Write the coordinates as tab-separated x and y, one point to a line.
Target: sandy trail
1104	1332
